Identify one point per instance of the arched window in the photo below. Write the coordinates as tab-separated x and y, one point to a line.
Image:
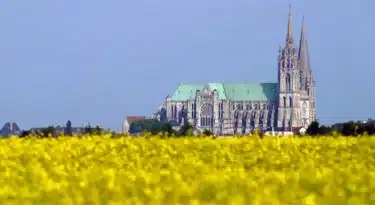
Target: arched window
193	111
244	123
173	111
206	115
290	101
261	120
284	101
252	120
288	83
221	111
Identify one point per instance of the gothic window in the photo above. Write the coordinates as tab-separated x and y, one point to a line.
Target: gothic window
306	82
288	82
284	101
206	115
261	119
206	110
221	111
252	120
304	109
193	111
290	101
175	111
244	124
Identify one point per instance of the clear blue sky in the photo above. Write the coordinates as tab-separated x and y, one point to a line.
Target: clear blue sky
98	61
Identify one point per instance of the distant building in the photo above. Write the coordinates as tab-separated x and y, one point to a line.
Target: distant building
125	126
60	129
132	119
10	128
161	113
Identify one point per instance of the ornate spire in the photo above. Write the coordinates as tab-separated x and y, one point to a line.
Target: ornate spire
303	53
289	35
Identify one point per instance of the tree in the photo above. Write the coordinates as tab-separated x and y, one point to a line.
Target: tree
313	129
149	125
68	128
324	130
88	129
25	133
186	130
167	127
207	133
349	129
155	126
370	128
48	130
98	130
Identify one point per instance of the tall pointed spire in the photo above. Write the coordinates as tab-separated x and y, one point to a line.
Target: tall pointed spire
303	53
289	35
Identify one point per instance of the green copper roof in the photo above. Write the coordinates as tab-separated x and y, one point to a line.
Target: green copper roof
251	91
230	91
187	91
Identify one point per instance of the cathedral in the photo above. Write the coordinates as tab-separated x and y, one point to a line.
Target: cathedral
227	108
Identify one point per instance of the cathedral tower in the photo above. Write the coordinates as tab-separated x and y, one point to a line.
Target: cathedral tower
308	113
288	82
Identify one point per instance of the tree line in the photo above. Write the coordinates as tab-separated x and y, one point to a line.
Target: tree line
350	128
155	126
52	131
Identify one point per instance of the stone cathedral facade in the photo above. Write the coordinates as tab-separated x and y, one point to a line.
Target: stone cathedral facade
227	108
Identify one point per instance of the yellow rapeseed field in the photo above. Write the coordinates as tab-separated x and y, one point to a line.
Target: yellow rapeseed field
104	170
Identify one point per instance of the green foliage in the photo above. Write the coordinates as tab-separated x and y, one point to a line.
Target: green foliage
48	131
186	130
313	129
153	126
68	129
350	128
88	130
207	133
325	130
98	130
167	128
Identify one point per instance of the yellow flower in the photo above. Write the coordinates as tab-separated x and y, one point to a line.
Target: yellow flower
157	170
